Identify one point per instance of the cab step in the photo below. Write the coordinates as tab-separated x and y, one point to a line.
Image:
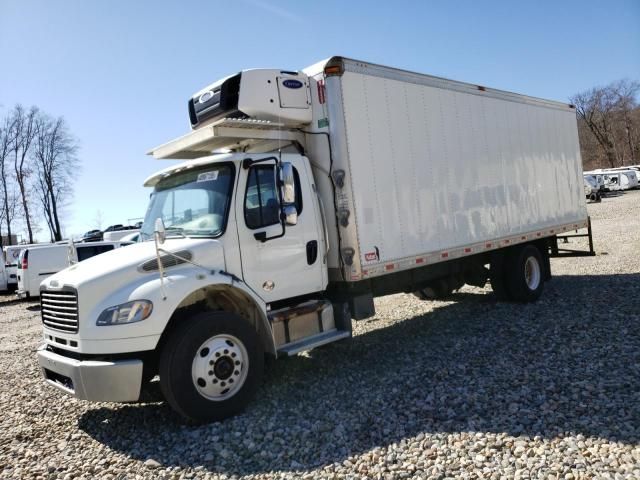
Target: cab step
313	341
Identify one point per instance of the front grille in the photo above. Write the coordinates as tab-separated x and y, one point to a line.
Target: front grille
59	309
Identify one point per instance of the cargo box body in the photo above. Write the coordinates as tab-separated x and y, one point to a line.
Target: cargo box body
435	169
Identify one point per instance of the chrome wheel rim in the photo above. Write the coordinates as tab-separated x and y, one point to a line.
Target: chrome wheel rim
220	367
532	273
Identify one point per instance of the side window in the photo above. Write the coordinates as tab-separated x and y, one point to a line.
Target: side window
261	201
92	251
85	252
261	204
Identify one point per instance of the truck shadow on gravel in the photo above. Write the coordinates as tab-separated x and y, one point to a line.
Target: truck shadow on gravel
568	364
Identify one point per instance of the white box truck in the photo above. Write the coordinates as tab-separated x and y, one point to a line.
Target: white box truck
302	196
36	263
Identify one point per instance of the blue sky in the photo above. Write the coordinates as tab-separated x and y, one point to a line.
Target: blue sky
121	72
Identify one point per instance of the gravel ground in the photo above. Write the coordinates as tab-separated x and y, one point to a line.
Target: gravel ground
467	388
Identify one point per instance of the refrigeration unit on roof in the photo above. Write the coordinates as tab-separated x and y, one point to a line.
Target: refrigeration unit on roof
260	94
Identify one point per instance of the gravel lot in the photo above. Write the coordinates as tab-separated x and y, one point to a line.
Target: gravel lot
468	388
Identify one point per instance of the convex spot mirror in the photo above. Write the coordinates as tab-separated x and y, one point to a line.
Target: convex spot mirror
288	192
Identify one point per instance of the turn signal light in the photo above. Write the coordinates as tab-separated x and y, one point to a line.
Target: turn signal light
333	70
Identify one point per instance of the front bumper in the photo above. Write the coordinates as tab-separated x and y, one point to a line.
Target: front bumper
97	381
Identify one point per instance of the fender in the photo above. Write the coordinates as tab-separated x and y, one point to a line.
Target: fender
225	286
183	286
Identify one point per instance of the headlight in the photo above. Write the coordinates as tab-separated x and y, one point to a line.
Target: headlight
129	312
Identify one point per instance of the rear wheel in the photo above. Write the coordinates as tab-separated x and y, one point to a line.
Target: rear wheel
525	274
211	366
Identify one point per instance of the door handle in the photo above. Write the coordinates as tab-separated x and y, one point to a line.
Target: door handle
312	252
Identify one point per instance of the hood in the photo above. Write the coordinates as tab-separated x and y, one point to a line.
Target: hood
127	262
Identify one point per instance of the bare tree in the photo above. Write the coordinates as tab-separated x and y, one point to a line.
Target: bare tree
626	93
608	124
6	129
23	134
54	154
594	108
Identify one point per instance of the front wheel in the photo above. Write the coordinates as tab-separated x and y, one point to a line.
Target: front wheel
211	366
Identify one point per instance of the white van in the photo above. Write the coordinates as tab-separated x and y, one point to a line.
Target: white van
11	256
4	284
39	263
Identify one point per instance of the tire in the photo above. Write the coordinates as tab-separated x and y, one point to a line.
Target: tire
525	274
497	276
211	366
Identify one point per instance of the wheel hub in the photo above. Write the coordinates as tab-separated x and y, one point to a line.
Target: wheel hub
223	368
219	367
532	273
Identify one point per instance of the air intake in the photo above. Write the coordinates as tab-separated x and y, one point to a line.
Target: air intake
167	261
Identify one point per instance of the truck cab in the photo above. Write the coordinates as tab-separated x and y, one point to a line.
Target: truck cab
233	200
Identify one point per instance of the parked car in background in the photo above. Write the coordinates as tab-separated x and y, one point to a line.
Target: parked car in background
598	179
591	189
113	228
38	263
92	236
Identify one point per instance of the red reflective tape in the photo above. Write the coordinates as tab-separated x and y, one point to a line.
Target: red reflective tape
488	245
445	255
419	260
389	267
467	250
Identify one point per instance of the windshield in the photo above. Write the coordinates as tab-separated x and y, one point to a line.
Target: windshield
194	203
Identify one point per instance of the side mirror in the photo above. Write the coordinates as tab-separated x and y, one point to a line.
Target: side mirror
288	183
290	214
71	252
159	231
288	190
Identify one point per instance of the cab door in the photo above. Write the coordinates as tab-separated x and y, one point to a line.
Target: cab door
286	265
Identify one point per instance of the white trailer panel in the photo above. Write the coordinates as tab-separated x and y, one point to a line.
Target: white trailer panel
433	165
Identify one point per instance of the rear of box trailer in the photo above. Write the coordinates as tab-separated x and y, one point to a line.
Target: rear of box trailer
436	169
